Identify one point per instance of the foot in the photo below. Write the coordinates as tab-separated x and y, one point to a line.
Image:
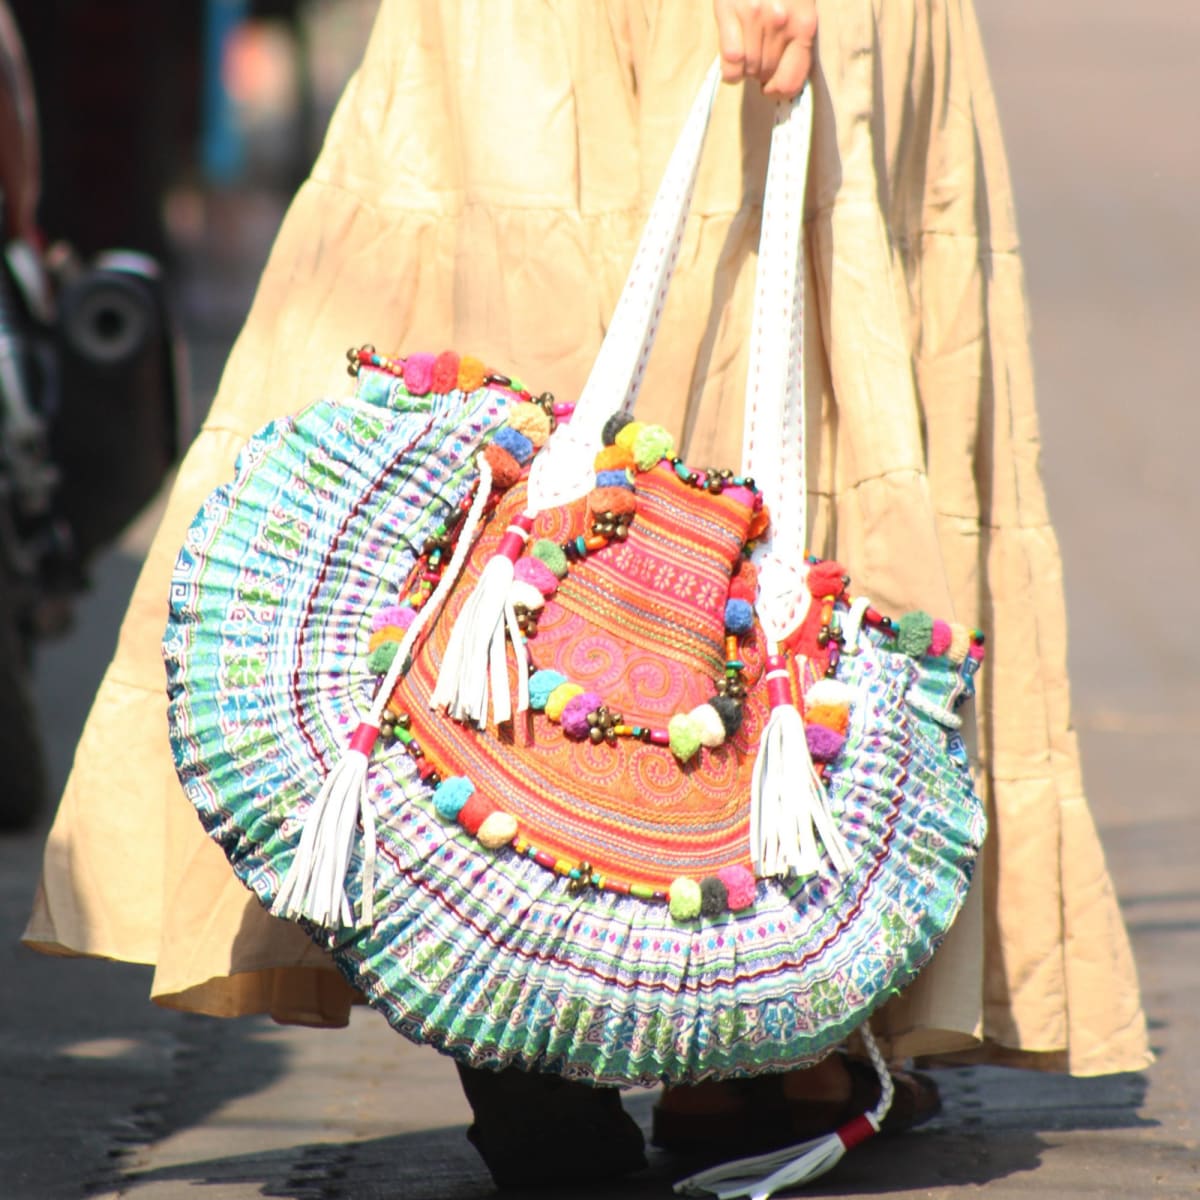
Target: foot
742	1117
536	1131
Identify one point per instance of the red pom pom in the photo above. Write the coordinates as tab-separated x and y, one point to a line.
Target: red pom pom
826	579
476	810
505	469
445	372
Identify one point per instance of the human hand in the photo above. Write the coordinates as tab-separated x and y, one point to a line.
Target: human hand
767	40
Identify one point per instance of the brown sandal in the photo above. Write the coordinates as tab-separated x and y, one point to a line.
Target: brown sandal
755	1116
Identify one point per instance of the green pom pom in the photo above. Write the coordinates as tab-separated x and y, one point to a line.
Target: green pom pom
685	736
382	657
551	553
652	445
914	633
685	899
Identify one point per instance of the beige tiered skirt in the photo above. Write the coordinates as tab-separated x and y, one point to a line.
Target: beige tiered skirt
482	186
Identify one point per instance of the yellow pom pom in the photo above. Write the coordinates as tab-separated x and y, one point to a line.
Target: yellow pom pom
389	633
471	374
532	421
560	697
960	643
628	435
685	899
497	830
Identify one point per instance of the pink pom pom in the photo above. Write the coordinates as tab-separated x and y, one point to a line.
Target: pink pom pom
418	373
399	615
533	570
977	652
740	886
939	640
445	372
824	744
575	714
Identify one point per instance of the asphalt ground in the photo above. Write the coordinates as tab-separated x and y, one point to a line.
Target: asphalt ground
102	1094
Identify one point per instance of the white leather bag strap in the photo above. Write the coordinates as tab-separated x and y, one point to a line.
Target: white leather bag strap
773	439
563	471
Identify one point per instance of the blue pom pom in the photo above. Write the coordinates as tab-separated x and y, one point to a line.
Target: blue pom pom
450	796
541	684
613	479
517	444
739	616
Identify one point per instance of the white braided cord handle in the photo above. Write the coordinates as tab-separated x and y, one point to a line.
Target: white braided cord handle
773	441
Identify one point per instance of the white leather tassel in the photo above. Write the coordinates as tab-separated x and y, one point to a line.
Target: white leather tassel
760	1177
789	809
476	664
314	887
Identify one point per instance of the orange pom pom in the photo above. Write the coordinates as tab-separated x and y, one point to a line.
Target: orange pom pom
505	469
613	458
389	633
471	374
613	500
759	523
832	716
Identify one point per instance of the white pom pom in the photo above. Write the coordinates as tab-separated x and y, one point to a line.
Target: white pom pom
709	724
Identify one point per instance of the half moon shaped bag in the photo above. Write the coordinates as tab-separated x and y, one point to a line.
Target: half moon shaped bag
563	746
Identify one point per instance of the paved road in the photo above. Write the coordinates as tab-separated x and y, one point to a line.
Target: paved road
103	1094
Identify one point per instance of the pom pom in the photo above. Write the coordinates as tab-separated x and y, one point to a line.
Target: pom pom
685	899
525	595
389	633
828	691
740	886
497	830
476	810
652	444
559	699
613	500
913	633
517	444
551	553
760	522
380	660
628	435
977	651
445	372
744	584
730	712
450	796
613	426
532	421
709	725
613	458
739	617
575	714
823	744
940	638
831	716
541	684
471	374
418	374
399	615
685	736
826	579
533	571
505	469
714	897
613	479
960	643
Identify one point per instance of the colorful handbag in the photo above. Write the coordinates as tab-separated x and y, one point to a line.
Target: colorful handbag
561	745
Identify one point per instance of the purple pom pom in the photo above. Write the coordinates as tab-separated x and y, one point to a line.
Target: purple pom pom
575	714
399	615
824	744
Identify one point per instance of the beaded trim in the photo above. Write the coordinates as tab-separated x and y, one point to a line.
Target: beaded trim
629	447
